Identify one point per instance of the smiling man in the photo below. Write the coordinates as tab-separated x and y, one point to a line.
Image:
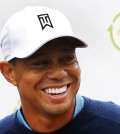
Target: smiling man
40	60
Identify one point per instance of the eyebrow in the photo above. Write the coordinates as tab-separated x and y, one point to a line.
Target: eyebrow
68	49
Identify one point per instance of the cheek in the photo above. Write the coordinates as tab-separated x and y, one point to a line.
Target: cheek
26	80
26	86
76	72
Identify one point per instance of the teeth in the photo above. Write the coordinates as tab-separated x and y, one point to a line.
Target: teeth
56	90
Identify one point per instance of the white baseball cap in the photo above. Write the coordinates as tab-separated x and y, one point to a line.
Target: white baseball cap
29	29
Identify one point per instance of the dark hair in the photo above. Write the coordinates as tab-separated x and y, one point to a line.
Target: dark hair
13	61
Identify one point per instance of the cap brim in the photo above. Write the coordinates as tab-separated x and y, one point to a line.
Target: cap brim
32	48
77	42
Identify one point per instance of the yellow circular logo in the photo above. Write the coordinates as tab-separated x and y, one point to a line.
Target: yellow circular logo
114	30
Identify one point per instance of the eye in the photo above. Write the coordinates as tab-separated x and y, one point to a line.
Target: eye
69	59
40	63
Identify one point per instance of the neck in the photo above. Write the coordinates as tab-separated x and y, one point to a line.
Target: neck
48	123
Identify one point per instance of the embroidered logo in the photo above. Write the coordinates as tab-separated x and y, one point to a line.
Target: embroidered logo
45	21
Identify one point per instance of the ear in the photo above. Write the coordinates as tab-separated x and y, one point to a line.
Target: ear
8	72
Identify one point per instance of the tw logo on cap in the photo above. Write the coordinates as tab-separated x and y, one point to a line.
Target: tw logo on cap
45	21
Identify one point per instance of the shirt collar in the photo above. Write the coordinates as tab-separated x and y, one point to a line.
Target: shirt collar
78	107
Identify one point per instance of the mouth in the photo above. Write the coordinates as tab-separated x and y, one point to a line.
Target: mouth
56	94
56	91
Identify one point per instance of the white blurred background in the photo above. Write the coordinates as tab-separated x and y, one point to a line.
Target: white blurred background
100	62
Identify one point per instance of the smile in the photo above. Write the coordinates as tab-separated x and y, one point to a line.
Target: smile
56	90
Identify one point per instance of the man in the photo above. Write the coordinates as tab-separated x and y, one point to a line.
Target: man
40	60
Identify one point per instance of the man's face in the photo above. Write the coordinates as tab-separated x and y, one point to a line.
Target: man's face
49	79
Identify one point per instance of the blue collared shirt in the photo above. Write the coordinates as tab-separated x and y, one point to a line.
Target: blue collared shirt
78	107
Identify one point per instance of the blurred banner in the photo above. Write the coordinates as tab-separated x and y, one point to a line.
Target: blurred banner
94	21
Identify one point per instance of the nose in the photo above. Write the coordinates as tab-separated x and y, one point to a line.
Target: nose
57	73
